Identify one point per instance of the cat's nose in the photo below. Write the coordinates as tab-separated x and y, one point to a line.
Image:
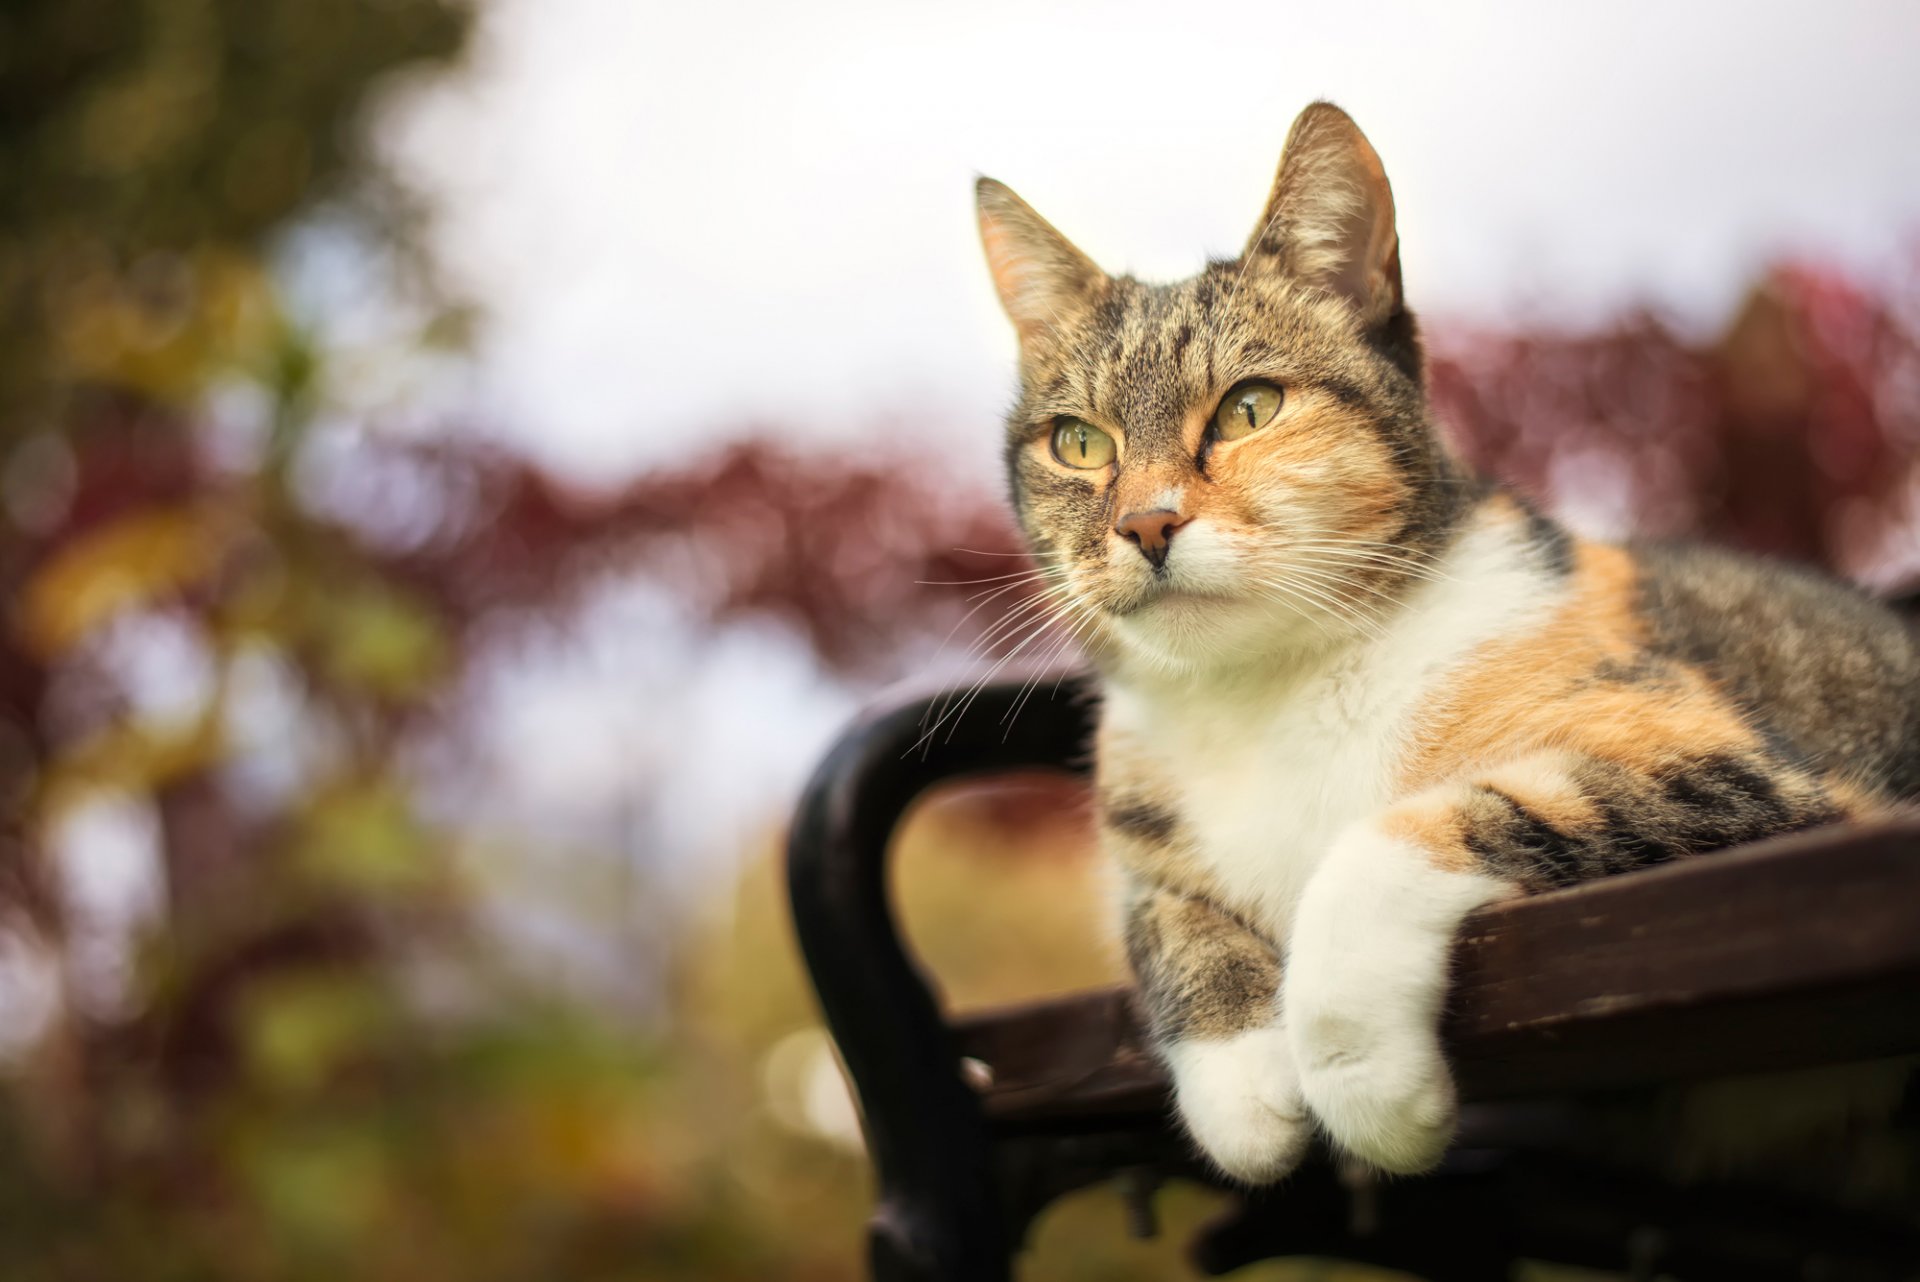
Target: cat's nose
1151	532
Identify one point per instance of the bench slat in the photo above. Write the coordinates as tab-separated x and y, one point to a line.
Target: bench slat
1798	951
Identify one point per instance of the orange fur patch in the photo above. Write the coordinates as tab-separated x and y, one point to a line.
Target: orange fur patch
1544	690
1544	787
1433	823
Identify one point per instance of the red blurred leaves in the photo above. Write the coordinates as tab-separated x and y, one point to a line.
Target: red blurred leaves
1794	434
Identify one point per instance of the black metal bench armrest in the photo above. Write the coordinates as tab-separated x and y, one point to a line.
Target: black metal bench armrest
938	1205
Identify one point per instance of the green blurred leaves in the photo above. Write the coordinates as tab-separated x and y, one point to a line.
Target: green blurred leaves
377	639
363	837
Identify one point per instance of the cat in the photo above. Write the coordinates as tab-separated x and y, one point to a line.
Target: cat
1350	692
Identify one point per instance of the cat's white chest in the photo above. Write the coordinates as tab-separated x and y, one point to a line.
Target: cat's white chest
1262	785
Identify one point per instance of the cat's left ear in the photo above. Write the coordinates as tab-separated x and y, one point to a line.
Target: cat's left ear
1329	220
1041	277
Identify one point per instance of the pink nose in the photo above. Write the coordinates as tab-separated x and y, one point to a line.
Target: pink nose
1151	532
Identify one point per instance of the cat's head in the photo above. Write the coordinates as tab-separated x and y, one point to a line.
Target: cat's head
1242	462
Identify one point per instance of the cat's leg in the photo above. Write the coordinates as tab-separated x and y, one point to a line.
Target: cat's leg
1210	987
1367	962
1366	975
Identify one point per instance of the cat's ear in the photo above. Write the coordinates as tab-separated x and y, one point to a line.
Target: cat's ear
1041	277
1329	219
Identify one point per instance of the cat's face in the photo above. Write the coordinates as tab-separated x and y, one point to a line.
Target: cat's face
1235	464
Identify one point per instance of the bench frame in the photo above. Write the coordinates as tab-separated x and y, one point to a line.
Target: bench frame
1707	967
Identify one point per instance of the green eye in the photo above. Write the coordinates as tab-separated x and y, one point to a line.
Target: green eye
1078	443
1247	408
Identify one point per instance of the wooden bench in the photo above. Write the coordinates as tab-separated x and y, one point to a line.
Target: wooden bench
1796	952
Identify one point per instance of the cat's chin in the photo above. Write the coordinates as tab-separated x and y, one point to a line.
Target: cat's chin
1178	599
1183	632
1183	615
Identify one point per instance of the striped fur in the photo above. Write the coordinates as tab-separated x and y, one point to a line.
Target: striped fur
1365	693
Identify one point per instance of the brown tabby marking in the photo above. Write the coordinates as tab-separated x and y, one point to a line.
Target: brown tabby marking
1142	835
1202	972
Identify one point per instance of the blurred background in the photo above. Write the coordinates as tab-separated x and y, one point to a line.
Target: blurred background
461	460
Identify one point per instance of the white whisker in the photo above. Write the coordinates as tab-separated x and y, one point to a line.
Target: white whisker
967	583
1017	617
1344	611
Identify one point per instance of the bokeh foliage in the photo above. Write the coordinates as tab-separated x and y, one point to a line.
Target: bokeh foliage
149	150
259	1097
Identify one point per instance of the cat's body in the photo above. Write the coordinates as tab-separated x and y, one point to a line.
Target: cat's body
1350	693
1505	651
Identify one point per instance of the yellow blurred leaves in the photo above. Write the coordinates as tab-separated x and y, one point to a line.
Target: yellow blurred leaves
589	1137
363	634
125	758
122	565
163	326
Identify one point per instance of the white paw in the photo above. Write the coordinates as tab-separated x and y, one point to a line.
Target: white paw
1367	972
1240	1099
1382	1093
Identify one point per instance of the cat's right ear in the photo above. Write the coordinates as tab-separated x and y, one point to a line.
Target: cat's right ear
1041	277
1329	220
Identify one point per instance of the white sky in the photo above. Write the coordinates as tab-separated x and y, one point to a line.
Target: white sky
685	217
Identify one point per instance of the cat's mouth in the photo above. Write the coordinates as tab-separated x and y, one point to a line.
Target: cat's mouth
1168	596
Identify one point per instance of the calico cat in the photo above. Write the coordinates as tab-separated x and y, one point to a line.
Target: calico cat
1352	693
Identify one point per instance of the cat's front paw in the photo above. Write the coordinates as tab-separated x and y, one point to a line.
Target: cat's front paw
1240	1100
1366	976
1379	1087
